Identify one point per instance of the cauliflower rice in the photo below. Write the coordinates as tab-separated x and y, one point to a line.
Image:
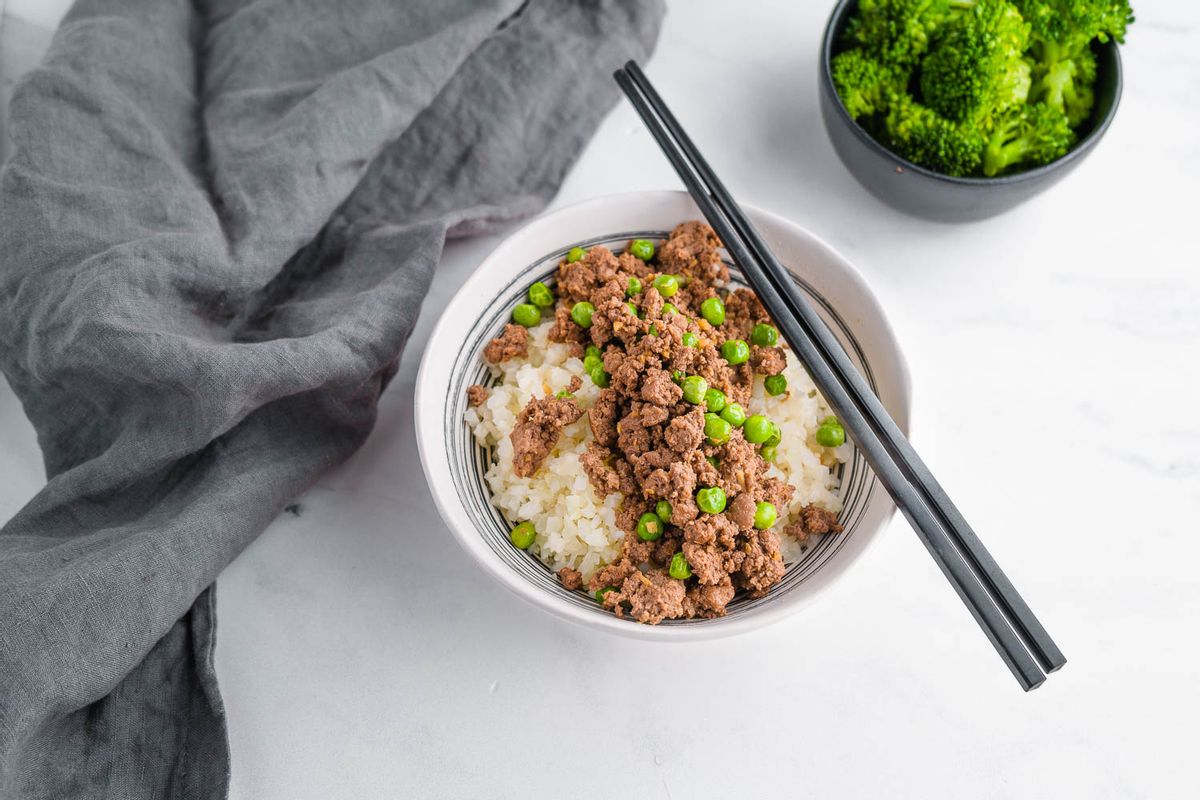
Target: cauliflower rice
577	529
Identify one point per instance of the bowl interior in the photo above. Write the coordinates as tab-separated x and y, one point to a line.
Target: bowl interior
471	460
456	464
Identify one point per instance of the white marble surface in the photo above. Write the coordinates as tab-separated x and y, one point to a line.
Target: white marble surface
1055	354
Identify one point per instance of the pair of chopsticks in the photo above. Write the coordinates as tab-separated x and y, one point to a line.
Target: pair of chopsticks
1001	612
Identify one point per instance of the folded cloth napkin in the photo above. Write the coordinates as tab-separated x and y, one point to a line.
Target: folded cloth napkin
216	228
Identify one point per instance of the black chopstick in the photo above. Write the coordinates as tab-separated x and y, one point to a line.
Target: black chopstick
983	587
1033	634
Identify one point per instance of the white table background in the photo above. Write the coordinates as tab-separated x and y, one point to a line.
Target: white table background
1055	354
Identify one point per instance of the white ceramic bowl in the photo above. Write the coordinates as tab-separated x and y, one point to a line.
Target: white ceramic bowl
454	464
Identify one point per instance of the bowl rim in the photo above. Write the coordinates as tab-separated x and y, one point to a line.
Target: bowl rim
832	30
429	411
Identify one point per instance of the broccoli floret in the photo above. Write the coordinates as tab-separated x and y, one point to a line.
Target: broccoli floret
862	83
1061	35
925	137
1067	86
976	66
898	32
1028	136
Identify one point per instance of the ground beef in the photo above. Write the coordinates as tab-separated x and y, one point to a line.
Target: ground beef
653	596
741	511
571	579
659	389
767	360
595	463
686	432
477	395
512	343
538	427
813	521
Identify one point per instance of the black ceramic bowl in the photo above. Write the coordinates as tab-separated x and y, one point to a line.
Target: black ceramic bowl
932	195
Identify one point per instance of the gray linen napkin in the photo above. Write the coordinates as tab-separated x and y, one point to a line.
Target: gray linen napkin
216	228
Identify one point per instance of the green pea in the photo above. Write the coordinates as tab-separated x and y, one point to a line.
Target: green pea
663	509
527	315
669	309
653	330
633	310
713	461
736	351
831	435
690	339
642	248
592	350
757	429
590	362
601	592
775	384
694	387
582	314
715	400
677	375
575	254
716	429
649	527
776	436
764	335
599	376
764	516
523	535
768	453
734	414
633	287
711	500
564	395
713	310
680	570
540	295
667	285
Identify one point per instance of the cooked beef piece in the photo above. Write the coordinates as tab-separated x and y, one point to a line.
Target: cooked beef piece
604	478
512	343
813	521
741	511
659	389
565	330
477	395
762	566
742	312
686	432
692	250
767	360
538	427
571	579
653	596
603	417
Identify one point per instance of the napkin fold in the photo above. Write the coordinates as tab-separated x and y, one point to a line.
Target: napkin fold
216	228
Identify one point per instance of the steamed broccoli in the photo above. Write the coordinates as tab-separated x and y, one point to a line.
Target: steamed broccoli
976	66
925	137
971	87
1032	134
1062	32
897	32
863	83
